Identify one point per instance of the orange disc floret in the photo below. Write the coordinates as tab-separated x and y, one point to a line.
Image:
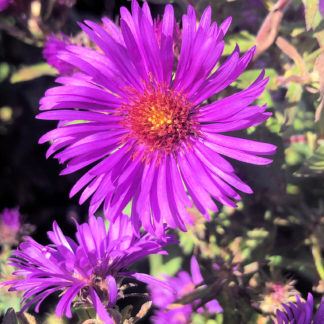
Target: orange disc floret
159	118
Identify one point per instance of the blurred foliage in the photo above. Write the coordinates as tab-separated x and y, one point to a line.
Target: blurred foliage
272	242
32	72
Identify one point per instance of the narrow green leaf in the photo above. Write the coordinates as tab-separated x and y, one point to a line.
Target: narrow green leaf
32	72
4	71
244	39
248	77
311	11
314	165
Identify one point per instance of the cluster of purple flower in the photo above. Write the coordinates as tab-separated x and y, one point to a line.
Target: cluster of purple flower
138	112
183	284
92	268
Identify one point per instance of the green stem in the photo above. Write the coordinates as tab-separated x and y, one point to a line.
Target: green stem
317	256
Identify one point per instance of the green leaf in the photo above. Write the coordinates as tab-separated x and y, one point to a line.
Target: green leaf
248	77
198	319
157	267
297	153
4	71
171	267
187	241
311	12
156	261
294	92
32	72
275	260
84	312
244	39
314	165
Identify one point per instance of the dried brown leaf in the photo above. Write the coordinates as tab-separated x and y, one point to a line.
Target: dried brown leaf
319	114
269	29
292	52
144	309
142	312
26	318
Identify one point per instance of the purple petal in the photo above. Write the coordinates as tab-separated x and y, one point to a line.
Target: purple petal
112	290
100	308
195	271
64	305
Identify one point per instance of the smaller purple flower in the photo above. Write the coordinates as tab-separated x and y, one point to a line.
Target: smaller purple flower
4	4
183	284
10	225
11	219
90	269
301	313
53	45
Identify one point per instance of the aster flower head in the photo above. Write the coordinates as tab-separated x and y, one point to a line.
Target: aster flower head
11	218
52	46
90	269
301	313
183	284
10	225
147	131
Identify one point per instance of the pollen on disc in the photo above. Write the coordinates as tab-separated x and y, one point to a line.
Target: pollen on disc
160	119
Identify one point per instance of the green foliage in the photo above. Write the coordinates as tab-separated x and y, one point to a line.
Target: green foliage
158	268
314	165
244	39
7	299
4	71
200	319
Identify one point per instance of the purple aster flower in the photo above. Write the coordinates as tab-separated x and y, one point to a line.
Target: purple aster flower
301	313
10	225
53	45
149	133
4	4
183	284
91	268
10	218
